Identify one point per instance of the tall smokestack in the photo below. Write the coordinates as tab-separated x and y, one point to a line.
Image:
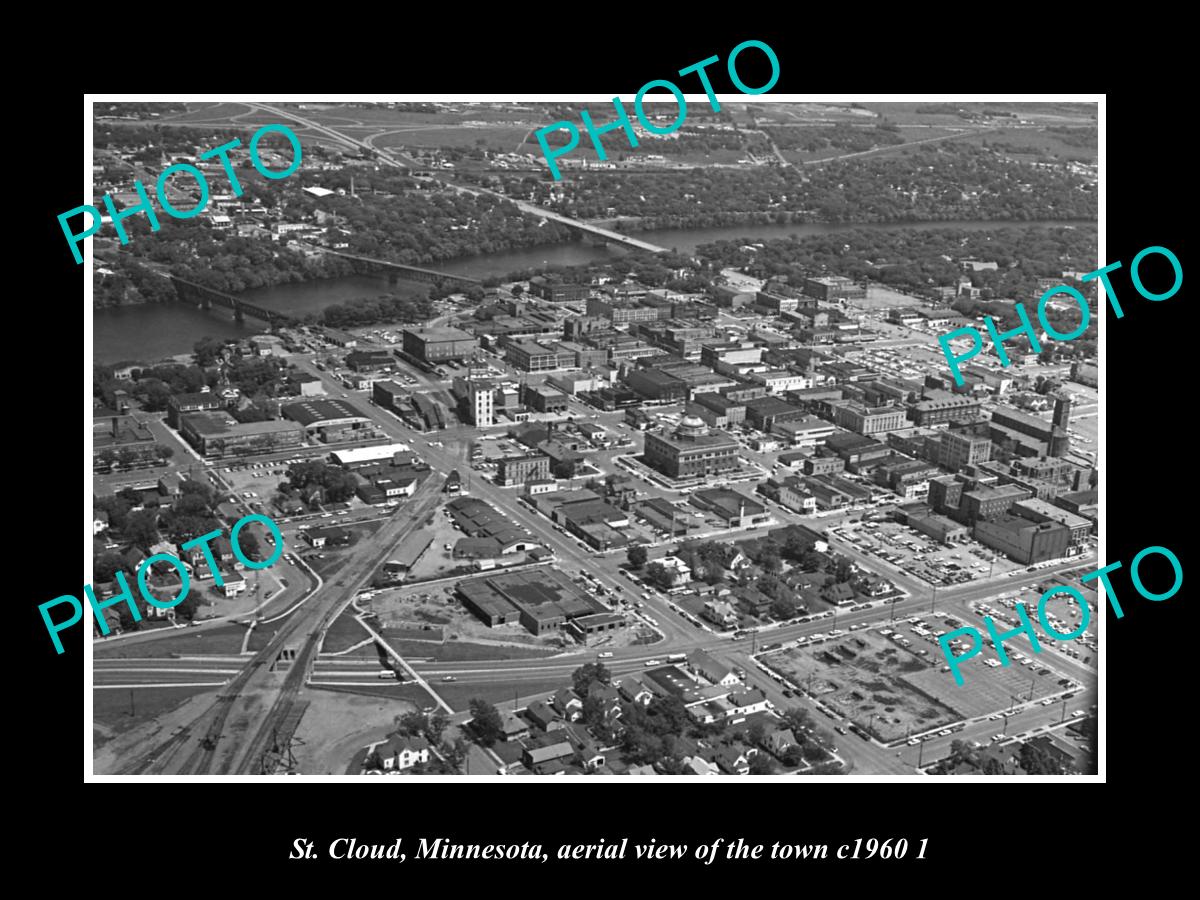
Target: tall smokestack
1062	410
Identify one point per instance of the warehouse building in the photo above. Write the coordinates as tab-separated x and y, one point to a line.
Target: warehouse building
438	344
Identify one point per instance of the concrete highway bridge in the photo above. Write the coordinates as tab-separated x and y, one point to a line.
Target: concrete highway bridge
613	237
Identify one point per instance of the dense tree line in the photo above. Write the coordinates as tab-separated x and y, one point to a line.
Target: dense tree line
920	260
932	182
368	311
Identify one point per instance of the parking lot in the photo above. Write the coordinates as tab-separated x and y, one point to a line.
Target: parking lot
1062	612
922	556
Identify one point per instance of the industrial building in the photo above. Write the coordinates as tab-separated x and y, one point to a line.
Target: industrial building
329	420
438	344
542	601
219	435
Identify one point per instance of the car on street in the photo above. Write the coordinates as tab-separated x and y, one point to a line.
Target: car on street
449	678
912	742
945	732
997	737
653	662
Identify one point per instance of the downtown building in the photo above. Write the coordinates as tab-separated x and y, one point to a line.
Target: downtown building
691	451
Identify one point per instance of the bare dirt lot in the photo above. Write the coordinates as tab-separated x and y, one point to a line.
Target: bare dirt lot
338	724
864	676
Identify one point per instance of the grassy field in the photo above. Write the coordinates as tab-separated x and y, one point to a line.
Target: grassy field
344	633
461	651
224	640
390	690
111	707
504	138
1034	143
459	696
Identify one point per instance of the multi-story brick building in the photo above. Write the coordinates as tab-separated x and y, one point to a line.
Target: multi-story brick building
691	450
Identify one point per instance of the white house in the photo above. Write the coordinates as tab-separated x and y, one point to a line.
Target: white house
400	751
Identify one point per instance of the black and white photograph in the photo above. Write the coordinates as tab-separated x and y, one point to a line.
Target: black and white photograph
748	436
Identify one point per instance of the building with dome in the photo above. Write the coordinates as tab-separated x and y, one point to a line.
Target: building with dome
691	450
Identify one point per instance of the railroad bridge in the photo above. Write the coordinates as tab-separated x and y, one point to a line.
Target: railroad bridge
414	273
206	298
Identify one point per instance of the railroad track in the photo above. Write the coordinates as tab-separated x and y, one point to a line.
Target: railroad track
298	674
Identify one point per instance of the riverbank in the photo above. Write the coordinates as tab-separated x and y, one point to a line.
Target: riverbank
157	330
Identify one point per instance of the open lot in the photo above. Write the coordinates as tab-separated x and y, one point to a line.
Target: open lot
864	677
337	724
460	695
112	707
224	640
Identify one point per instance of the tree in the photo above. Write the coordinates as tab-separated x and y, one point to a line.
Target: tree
435	726
592	712
637	555
249	544
142	527
107	565
798	719
582	678
486	722
659	576
455	753
783	608
412	723
761	764
793	756
757	734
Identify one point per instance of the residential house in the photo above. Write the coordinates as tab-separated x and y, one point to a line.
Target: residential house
513	727
589	752
721	613
568	704
838	594
540	755
541	714
609	699
634	690
735	760
749	701
697	765
780	740
400	751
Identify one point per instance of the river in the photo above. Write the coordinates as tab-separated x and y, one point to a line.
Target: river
154	331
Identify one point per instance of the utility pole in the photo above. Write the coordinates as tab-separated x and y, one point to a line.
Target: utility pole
920	753
132	708
1032	682
933	600
1064	711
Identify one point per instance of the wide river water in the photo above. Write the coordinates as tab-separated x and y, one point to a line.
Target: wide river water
150	332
